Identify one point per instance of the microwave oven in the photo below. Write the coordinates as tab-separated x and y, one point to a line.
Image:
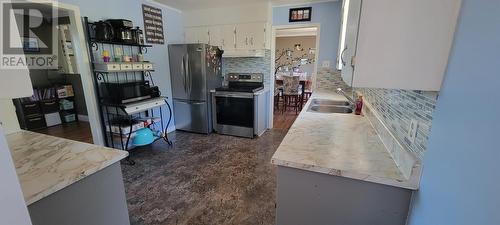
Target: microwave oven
121	93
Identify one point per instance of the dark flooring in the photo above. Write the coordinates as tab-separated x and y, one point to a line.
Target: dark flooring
201	179
78	131
205	179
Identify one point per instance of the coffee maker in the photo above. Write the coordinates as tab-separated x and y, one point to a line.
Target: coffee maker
122	30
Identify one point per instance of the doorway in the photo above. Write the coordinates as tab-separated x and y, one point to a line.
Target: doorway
294	68
63	103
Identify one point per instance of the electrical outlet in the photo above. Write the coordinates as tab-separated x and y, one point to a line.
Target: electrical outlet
325	64
412	131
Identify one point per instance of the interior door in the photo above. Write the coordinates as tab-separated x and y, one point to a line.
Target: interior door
178	70
351	10
196	72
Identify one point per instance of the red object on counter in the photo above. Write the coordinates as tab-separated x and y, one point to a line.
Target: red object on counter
359	105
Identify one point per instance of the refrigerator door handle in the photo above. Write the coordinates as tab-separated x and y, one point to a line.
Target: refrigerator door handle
183	73
189	77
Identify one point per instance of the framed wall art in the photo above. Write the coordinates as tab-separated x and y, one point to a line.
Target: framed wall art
300	14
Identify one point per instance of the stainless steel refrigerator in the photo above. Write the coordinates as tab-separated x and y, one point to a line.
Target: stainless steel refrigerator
195	69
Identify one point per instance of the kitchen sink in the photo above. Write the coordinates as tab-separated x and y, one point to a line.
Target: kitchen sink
318	101
329	109
329	106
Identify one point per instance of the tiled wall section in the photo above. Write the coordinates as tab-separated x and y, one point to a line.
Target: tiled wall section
329	79
249	65
397	108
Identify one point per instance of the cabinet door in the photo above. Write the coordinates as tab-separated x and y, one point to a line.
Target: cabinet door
228	40
348	35
251	36
242	36
215	36
404	44
196	35
258	36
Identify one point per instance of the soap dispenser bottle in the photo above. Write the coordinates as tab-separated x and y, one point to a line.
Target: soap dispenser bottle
359	105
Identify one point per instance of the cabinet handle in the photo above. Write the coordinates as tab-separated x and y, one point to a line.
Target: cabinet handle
223	42
29	106
50	103
251	40
246	40
34	119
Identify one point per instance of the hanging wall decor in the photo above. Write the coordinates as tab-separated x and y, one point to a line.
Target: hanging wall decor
153	24
300	14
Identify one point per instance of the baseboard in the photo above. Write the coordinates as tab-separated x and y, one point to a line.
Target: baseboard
83	118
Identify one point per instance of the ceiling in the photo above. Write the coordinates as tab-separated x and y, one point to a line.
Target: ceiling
205	4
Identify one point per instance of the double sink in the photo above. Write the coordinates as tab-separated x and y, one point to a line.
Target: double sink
329	106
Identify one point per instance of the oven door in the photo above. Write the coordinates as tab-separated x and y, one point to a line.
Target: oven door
234	113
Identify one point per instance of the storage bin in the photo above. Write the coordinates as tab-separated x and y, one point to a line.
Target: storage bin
65	91
49	106
68	117
52	119
36	122
66	104
32	108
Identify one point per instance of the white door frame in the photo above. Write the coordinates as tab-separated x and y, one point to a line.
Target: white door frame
83	66
273	57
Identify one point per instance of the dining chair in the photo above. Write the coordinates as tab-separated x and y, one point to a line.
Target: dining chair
291	93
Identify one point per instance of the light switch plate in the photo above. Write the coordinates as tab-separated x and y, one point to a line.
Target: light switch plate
412	131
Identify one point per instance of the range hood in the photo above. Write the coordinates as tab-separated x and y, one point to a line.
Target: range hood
234	53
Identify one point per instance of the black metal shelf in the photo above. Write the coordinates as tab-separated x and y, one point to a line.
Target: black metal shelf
111	113
120	43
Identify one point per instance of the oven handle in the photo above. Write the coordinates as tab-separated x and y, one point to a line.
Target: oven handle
233	95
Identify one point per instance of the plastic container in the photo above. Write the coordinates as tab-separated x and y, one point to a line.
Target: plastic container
66	105
69	117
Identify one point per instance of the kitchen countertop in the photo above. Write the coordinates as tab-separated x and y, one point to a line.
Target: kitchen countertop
343	145
46	164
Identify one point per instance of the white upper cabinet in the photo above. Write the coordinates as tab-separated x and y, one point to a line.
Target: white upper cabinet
351	10
228	37
196	35
245	36
403	44
215	36
251	36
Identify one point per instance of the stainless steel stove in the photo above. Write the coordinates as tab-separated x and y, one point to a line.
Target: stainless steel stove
234	105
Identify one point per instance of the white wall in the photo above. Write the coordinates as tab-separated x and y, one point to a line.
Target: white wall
8	116
13	208
258	12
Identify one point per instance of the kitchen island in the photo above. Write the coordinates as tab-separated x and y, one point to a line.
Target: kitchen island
334	169
69	182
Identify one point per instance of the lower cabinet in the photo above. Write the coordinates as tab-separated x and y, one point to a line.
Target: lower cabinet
304	197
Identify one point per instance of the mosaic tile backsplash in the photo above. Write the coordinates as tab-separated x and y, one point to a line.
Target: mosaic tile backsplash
397	108
249	65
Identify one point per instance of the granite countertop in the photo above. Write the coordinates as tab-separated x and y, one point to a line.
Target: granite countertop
46	164
343	145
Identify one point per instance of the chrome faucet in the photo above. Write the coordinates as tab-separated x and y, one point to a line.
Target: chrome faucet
349	99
